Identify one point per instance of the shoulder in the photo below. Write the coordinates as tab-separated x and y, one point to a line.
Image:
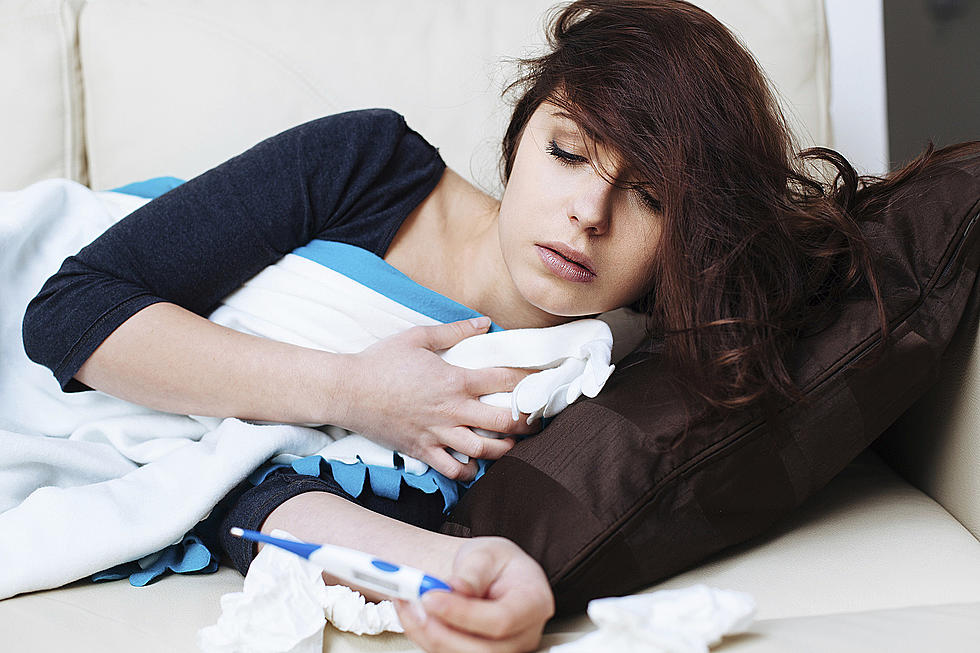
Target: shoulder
382	122
371	143
379	131
348	153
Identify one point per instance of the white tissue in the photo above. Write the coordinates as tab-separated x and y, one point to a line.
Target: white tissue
574	359
688	620
284	606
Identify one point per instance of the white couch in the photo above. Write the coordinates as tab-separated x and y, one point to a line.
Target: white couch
107	92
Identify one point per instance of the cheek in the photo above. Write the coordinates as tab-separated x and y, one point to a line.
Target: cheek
637	264
508	225
520	203
522	193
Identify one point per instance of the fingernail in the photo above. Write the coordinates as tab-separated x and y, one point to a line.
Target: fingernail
418	611
480	322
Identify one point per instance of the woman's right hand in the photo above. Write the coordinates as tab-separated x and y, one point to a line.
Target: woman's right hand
500	603
400	393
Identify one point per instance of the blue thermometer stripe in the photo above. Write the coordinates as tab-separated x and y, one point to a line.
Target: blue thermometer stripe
303	549
384	566
430	583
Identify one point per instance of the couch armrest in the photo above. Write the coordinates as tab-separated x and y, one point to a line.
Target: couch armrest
935	445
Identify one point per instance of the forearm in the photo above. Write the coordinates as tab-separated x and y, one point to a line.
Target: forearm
397	392
500	599
329	519
170	359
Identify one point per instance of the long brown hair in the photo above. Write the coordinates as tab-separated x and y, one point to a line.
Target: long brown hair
755	249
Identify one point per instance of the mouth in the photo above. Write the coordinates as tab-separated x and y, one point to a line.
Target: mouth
566	263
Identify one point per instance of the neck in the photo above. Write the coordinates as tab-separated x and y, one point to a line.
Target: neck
486	284
467	264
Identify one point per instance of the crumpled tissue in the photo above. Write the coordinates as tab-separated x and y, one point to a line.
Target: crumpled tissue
687	620
285	605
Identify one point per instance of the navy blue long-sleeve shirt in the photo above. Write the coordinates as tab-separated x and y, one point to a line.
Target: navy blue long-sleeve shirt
352	177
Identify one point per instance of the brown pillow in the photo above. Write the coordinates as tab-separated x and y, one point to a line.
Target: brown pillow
609	498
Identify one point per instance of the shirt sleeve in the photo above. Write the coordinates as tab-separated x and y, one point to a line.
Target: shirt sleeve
352	177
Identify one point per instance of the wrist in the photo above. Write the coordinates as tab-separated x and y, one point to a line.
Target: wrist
332	392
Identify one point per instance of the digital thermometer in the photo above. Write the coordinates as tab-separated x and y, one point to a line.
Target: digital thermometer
357	567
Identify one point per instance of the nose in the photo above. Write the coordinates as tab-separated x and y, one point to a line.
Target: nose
591	206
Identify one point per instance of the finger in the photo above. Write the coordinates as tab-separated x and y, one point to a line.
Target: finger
440	460
501	617
488	380
432	634
444	336
475	570
480	415
471	608
466	441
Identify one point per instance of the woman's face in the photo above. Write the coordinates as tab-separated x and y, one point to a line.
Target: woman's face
556	207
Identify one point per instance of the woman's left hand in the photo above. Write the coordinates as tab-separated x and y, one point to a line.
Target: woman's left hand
500	602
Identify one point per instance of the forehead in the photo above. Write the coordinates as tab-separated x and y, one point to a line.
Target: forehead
560	118
553	116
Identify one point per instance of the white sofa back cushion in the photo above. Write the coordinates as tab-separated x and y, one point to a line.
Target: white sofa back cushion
174	87
41	112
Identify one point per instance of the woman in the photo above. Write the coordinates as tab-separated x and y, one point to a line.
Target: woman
646	165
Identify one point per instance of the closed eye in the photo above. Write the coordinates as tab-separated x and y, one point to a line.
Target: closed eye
564	157
648	200
567	158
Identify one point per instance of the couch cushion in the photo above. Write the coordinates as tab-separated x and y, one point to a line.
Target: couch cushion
162	75
89	617
951	627
859	560
622	490
868	541
954	627
869	563
40	116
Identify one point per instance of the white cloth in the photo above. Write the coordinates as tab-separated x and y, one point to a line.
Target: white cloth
304	303
284	605
686	620
120	481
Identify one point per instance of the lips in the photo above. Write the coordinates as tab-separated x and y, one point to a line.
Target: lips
571	254
562	267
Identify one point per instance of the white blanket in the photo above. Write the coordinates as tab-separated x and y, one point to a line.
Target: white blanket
88	481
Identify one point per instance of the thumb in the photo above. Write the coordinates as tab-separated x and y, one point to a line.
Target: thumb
444	336
474	571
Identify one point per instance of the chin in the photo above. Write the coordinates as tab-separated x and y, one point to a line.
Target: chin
565	309
554	299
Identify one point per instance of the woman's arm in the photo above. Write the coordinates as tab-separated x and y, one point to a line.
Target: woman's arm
397	392
501	599
125	315
350	177
170	359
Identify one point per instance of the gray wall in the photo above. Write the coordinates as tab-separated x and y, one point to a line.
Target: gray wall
932	64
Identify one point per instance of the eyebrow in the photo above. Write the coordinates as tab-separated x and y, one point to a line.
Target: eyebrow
562	115
565	118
